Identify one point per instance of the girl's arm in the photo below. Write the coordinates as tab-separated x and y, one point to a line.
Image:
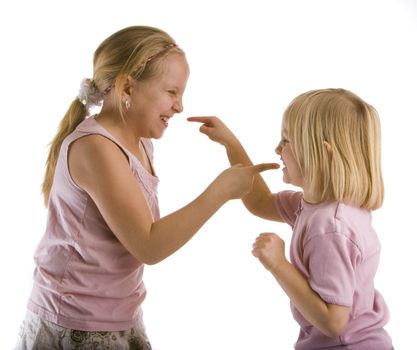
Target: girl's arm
98	166
330	319
259	201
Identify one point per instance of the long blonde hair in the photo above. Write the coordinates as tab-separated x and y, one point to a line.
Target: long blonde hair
352	170
136	51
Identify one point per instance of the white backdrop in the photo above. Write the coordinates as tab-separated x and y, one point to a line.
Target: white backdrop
248	60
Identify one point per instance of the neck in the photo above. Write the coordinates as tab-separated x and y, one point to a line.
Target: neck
119	128
308	195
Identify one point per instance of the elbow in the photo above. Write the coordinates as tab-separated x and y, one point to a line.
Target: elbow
332	333
153	260
334	329
255	210
150	256
252	209
145	256
149	259
334	325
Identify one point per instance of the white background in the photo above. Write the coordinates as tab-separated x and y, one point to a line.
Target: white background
248	60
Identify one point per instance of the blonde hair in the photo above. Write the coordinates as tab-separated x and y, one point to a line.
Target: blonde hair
351	171
136	51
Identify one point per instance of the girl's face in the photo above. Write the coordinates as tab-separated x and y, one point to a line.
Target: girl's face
291	171
155	101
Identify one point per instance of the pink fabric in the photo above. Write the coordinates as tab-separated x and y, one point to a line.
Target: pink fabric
336	249
84	278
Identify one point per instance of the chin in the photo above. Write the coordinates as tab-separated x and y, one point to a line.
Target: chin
289	182
156	135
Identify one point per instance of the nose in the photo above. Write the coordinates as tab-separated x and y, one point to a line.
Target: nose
278	150
178	107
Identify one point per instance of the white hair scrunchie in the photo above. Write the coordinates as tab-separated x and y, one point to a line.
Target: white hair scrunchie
89	95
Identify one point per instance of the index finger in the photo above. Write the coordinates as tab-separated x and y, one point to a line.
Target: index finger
204	120
258	168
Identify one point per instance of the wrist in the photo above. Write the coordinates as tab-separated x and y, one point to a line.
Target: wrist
279	268
232	144
236	153
216	194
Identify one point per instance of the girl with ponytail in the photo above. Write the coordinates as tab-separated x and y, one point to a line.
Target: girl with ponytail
100	189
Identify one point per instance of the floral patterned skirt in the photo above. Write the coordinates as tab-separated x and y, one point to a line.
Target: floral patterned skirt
38	334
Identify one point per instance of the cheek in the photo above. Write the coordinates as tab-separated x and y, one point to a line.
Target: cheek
291	162
287	155
162	103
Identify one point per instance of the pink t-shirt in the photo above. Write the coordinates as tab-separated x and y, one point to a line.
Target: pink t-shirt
336	249
84	278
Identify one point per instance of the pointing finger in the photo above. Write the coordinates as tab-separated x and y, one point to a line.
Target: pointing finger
205	120
264	166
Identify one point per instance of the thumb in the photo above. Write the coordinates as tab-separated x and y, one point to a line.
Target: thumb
264	166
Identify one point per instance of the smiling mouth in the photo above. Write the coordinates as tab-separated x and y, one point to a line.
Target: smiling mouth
165	119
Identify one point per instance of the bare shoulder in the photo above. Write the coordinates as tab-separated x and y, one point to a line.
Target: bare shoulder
93	157
94	145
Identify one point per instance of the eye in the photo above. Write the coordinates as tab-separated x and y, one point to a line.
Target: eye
172	92
282	143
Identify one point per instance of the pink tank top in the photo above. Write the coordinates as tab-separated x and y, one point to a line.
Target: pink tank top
84	278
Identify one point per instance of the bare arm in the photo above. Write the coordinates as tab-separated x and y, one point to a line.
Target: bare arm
330	319
259	201
99	167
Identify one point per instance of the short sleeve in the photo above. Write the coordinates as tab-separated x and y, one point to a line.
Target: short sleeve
331	259
287	204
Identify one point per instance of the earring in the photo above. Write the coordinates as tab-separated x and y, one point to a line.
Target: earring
127	105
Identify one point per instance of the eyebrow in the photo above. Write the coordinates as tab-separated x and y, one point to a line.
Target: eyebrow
172	86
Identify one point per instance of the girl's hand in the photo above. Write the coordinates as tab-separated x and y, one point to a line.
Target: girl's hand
215	129
236	181
269	248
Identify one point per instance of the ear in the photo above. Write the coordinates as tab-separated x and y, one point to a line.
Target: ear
329	149
128	85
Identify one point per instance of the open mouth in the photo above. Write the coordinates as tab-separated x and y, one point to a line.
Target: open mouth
165	119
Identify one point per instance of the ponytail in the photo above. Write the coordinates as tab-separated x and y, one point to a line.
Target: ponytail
75	115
